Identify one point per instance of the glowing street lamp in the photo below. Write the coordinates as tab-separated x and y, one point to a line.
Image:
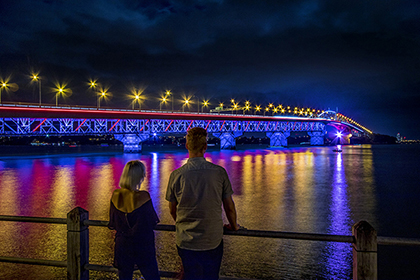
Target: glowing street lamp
205	104
163	100
137	99
186	103
5	86
101	94
246	109
169	93
59	91
267	109
35	77
257	109
235	107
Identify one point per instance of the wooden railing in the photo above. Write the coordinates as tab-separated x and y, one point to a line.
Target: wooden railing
364	240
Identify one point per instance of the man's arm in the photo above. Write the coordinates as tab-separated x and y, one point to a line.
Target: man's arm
172	209
230	211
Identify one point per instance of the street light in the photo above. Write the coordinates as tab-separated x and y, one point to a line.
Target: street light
257	109
164	100
205	104
102	94
168	93
5	86
186	103
35	77
137	99
267	109
59	91
235	107
92	85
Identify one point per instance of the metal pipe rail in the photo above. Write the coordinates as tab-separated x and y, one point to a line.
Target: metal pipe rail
382	240
77	223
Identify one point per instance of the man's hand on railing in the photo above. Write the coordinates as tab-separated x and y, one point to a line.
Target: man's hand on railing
230	228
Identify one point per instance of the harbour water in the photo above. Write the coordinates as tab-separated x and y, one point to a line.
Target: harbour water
303	189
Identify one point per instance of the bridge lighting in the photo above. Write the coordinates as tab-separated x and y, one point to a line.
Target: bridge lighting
205	104
102	94
282	111
3	85
267	109
246	109
61	90
186	103
169	93
163	100
257	108
270	105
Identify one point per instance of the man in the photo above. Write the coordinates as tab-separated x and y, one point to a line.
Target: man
196	192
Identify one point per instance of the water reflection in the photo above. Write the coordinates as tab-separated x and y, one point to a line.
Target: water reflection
299	190
339	254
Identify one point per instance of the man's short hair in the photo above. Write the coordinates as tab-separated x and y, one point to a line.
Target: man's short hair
134	171
197	139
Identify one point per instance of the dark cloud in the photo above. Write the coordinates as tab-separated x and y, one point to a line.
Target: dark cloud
360	56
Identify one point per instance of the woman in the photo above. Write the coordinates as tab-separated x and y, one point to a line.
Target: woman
133	217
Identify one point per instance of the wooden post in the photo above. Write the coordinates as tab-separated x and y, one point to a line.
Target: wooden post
77	244
365	252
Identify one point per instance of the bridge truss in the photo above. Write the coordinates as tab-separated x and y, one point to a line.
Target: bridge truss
69	126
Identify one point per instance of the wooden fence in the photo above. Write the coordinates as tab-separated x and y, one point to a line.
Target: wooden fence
364	242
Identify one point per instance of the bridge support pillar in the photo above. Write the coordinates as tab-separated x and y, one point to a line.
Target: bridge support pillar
132	142
227	139
278	138
317	137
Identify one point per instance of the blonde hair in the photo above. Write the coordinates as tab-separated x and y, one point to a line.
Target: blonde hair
197	139
132	175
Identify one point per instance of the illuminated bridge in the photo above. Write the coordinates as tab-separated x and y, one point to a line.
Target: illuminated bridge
132	127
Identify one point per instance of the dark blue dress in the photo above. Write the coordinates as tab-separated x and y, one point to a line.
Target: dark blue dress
135	239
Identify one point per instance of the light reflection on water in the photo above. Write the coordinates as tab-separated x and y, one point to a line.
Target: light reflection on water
299	190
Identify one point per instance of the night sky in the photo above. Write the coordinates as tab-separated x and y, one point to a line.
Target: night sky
362	57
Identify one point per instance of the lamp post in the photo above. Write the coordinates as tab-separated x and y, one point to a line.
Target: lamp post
102	94
3	85
257	109
186	102
235	107
60	90
164	100
92	86
267	109
137	99
168	93
205	104
35	77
